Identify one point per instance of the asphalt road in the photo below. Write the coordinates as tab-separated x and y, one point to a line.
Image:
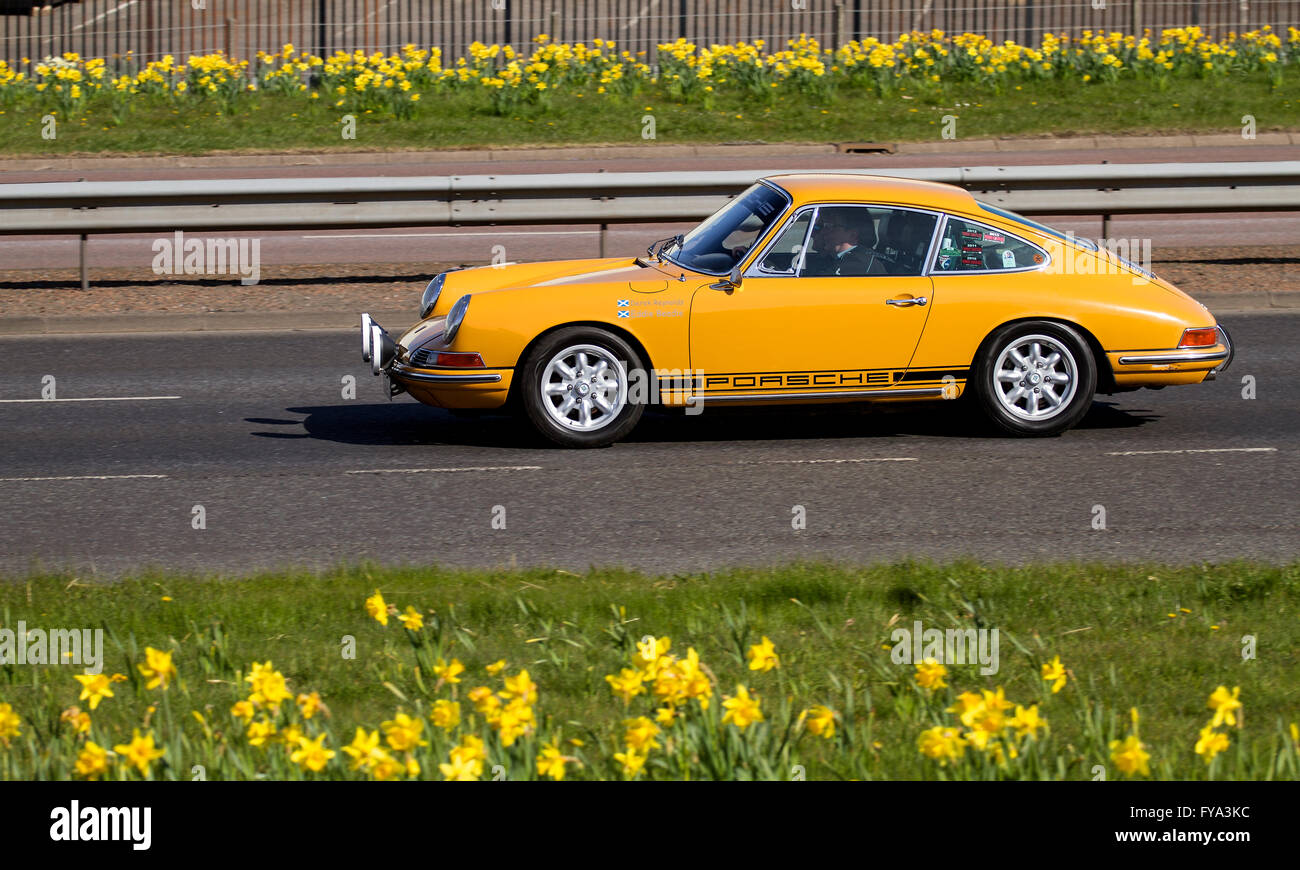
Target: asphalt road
288	472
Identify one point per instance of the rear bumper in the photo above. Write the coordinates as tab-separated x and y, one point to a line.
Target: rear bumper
1176	365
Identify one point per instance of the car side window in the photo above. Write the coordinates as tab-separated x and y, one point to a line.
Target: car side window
970	247
861	241
782	258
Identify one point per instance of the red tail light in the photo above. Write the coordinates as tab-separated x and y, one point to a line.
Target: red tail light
459	360
1205	337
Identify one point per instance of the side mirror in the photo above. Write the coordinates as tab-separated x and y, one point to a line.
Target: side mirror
730	283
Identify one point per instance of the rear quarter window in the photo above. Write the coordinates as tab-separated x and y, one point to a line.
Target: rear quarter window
967	246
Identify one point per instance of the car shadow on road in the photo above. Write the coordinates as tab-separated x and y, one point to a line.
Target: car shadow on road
405	423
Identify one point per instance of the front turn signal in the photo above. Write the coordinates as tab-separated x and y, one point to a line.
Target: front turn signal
1204	337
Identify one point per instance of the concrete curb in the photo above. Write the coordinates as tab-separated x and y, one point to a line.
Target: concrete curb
1253	301
596	152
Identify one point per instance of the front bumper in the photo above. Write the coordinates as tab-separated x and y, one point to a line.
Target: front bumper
442	387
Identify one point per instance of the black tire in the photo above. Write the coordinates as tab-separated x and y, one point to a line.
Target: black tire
1000	397
531	374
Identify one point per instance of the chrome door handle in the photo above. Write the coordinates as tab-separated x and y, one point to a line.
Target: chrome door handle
903	303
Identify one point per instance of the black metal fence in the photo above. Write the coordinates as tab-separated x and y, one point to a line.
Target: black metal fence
152	28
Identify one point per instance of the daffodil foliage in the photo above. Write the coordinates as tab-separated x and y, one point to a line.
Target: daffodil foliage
397	85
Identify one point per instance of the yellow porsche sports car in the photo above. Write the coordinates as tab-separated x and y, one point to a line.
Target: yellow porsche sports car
807	288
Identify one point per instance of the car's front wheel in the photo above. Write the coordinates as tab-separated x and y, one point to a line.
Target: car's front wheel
575	387
1035	378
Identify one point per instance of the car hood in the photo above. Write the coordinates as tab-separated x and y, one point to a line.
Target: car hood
555	273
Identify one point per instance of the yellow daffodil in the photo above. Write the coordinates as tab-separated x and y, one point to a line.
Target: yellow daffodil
312	754
96	687
77	718
140	752
1130	756
930	674
1225	706
10	724
626	685
762	656
445	714
158	668
640	734
411	619
268	685
631	761
1054	673
941	744
309	705
742	710
92	761
364	749
1211	743
1027	722
551	762
402	732
448	673
819	720
377	608
496	667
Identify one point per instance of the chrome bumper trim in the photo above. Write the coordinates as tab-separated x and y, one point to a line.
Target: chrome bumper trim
401	371
843	394
1173	358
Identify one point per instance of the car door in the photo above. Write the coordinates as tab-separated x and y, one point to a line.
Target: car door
813	316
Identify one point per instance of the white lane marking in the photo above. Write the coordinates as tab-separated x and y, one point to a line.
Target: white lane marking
820	461
451	235
87	477
436	470
98	399
1196	450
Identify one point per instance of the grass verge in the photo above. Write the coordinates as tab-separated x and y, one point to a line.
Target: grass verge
1157	639
458	120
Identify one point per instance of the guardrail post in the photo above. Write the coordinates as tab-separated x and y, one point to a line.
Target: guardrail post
604	231
85	273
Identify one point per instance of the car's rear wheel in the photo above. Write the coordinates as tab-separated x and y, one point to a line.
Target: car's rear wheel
1035	378
575	387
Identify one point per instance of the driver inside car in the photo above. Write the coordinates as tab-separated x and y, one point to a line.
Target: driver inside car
842	244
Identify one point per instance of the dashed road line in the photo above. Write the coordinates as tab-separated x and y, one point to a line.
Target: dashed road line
828	461
445	470
1195	450
96	399
87	477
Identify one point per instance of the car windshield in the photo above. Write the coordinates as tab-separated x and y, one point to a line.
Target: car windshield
723	239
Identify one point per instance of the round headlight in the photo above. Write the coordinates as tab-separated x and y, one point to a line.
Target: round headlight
431	294
454	317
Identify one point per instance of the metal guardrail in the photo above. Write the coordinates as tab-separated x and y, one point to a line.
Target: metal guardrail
86	208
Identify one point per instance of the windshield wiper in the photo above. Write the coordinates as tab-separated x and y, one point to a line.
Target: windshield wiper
656	249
